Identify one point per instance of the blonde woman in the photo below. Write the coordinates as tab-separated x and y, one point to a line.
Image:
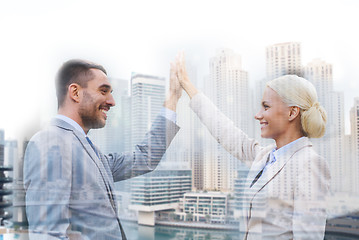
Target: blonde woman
285	191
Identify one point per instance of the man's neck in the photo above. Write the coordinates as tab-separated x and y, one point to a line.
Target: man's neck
72	115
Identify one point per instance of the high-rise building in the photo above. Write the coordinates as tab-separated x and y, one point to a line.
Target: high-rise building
330	146
283	59
12	159
147	97
354	122
5	184
257	104
231	95
114	137
349	165
189	143
239	186
11	155
2	146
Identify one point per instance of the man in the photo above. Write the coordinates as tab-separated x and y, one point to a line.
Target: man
69	183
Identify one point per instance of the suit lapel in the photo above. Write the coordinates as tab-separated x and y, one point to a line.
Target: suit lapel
80	136
86	145
284	159
255	169
273	170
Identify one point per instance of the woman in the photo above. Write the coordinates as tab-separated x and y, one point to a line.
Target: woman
285	191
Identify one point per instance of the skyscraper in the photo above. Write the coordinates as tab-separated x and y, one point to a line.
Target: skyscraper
113	137
5	184
283	59
350	166
231	95
330	146
189	143
2	146
354	122
147	97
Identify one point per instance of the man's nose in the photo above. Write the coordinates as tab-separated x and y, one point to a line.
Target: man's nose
111	101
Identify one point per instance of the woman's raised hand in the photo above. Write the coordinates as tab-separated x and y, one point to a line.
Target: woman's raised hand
175	90
182	76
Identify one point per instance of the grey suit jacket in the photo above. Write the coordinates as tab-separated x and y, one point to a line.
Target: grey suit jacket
288	200
69	188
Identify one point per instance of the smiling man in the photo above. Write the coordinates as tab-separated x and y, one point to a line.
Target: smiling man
68	181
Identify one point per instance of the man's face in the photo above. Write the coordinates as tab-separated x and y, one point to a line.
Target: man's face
96	101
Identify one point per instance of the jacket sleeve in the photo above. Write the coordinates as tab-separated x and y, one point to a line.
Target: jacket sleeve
311	191
47	182
233	139
147	154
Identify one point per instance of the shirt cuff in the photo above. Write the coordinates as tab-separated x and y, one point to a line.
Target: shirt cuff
169	114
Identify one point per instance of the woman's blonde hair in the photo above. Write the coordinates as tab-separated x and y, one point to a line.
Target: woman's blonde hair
297	91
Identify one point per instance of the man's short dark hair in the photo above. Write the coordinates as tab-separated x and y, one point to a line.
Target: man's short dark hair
74	71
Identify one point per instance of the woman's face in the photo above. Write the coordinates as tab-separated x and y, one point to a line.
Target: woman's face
273	115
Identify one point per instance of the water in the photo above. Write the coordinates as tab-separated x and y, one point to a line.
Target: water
138	232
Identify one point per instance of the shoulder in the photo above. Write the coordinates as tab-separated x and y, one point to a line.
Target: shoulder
310	163
51	132
309	155
49	137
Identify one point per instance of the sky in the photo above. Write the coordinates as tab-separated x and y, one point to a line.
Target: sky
144	36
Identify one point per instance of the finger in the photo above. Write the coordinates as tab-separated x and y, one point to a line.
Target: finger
181	56
178	57
178	66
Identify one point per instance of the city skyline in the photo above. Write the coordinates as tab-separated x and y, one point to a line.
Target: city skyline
140	36
143	37
230	74
43	116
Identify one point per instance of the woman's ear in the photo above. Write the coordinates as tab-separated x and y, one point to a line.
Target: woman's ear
294	113
74	91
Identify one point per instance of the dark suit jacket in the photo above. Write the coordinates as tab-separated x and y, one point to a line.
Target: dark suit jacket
69	188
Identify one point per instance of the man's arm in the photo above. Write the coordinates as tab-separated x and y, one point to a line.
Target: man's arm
149	152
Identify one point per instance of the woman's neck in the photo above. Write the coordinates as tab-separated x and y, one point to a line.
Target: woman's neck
288	138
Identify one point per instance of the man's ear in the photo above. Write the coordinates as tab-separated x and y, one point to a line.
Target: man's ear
74	91
294	113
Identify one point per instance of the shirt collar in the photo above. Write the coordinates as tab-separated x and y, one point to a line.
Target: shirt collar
278	153
71	122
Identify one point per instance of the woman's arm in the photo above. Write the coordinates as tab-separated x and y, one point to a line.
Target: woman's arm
234	140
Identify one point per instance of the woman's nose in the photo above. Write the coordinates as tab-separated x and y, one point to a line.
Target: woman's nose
259	115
